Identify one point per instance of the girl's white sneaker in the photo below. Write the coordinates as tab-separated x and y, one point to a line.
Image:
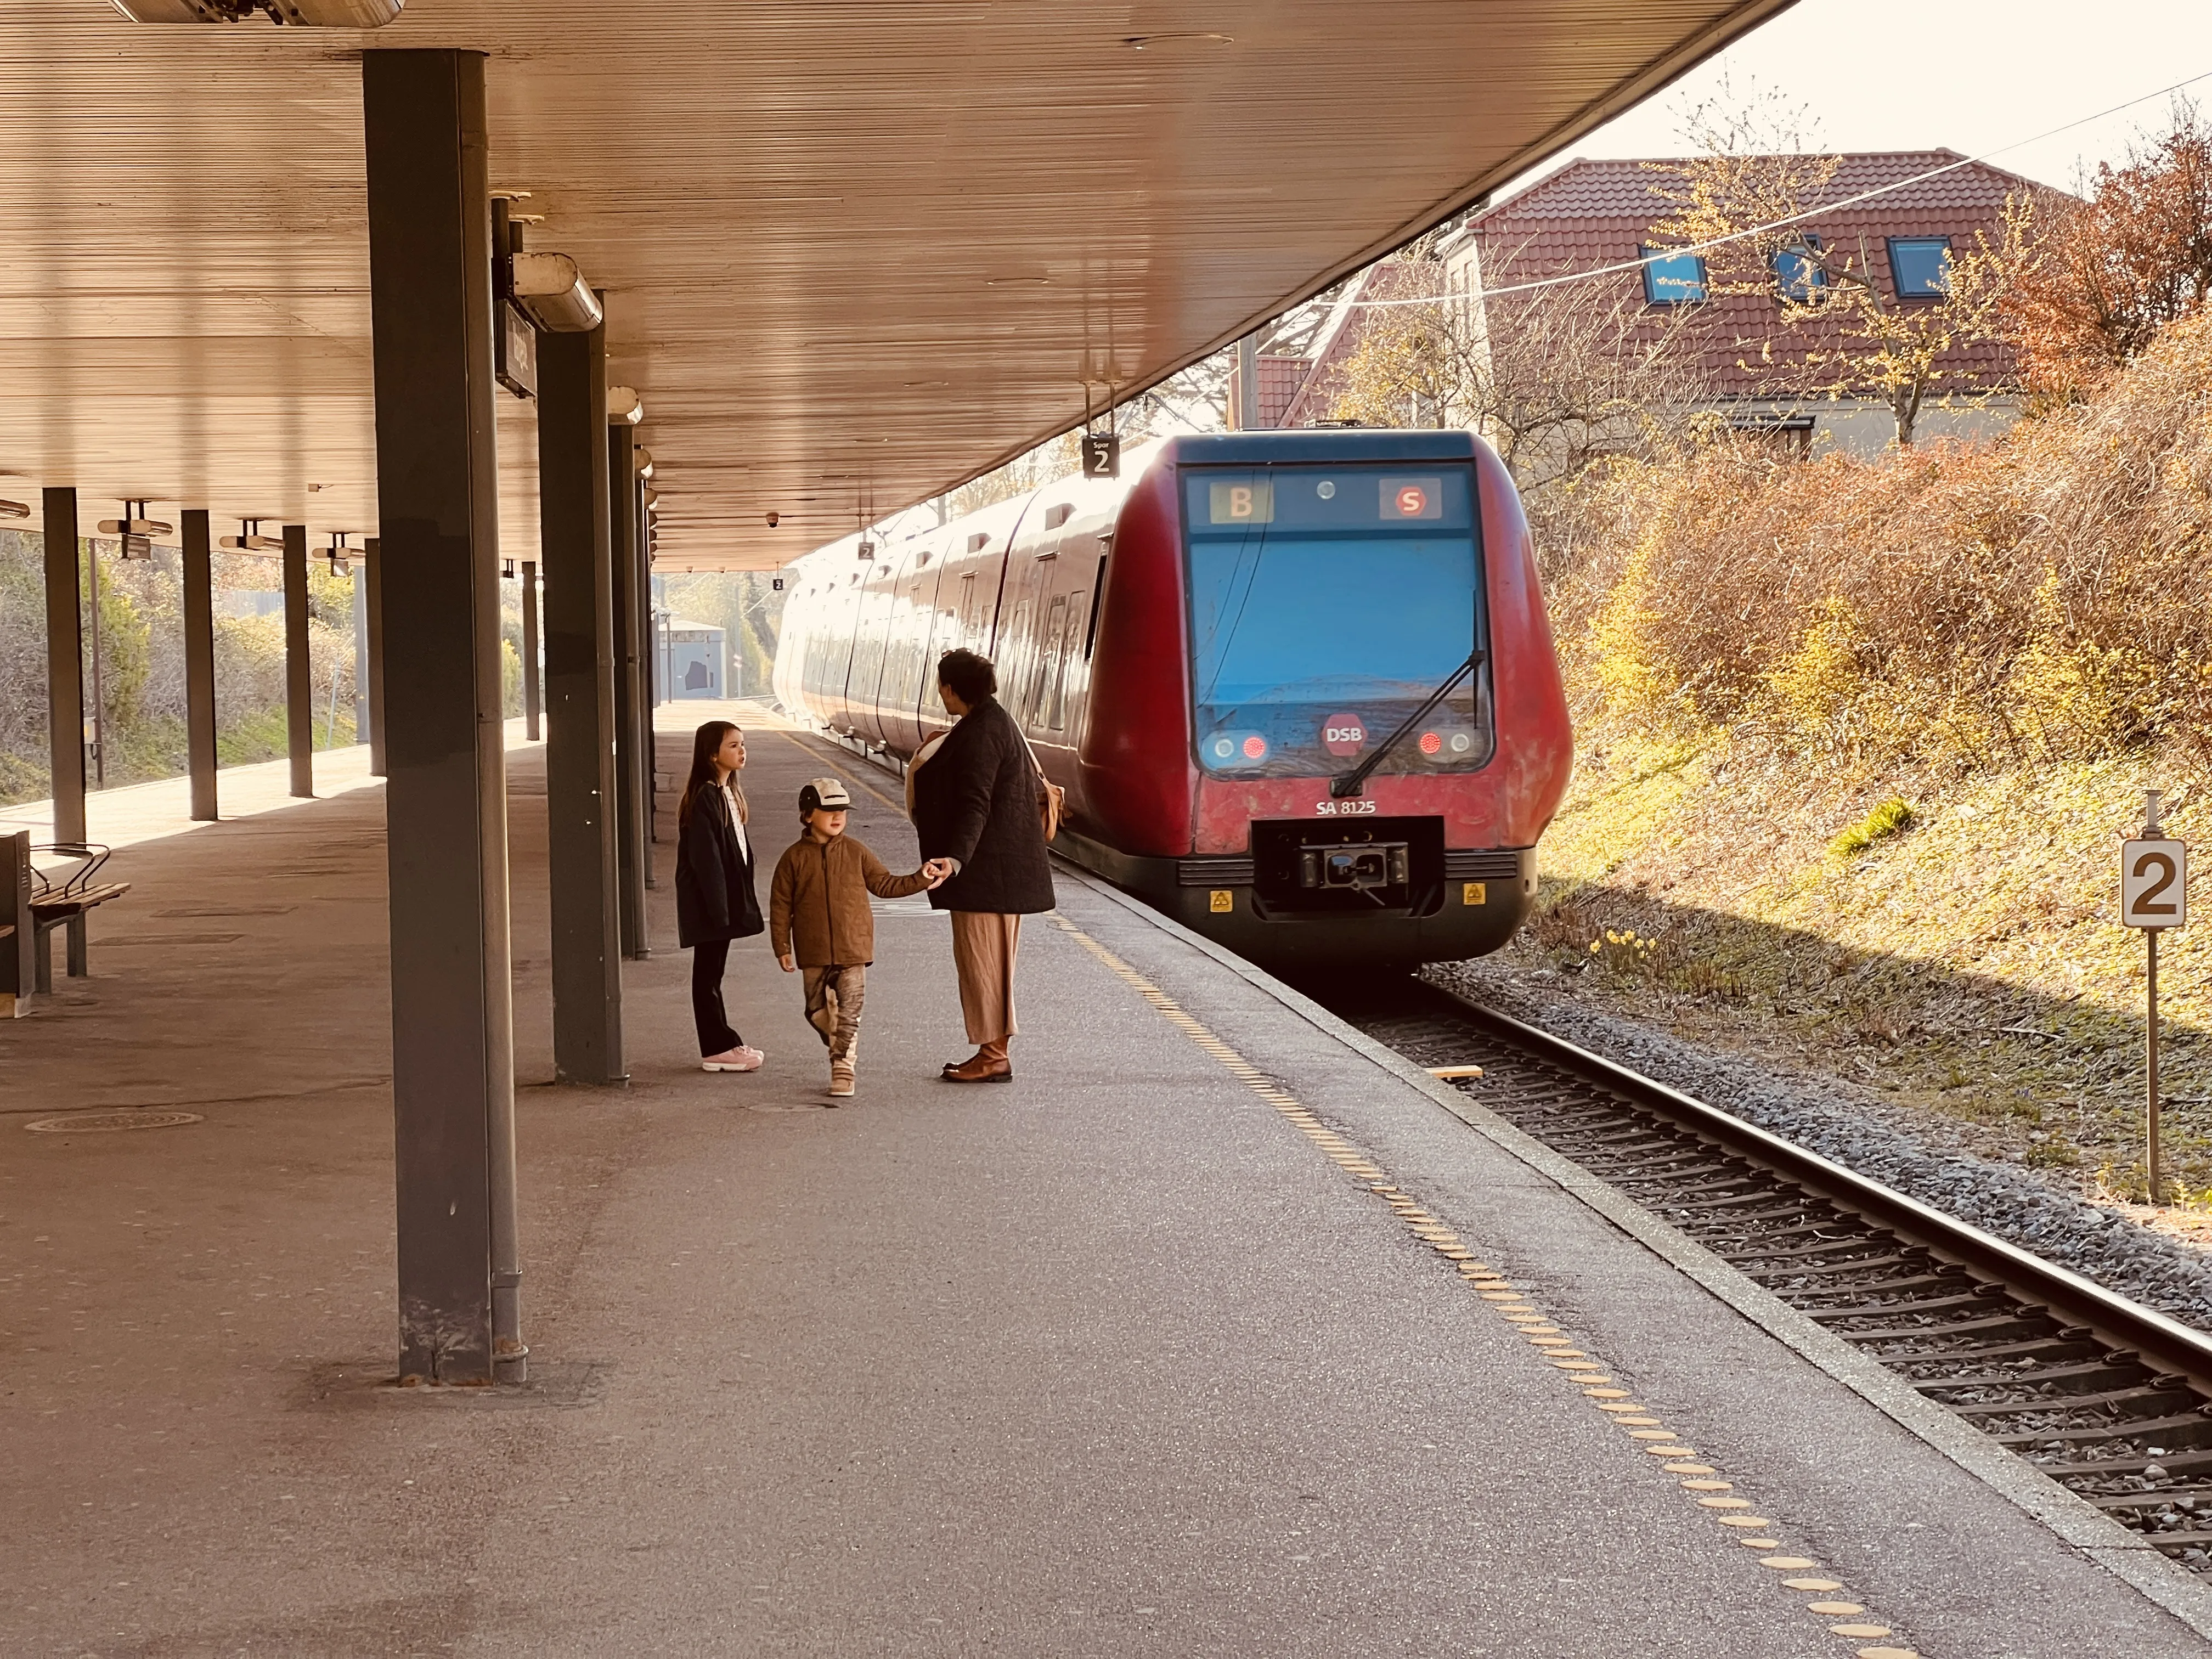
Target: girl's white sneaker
740	1058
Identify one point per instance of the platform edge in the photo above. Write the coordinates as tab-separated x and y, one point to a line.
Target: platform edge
2075	1521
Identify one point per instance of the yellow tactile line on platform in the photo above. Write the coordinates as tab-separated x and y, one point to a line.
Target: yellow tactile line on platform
1699	1479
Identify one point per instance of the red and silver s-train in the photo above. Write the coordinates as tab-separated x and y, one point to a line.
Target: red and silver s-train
1212	654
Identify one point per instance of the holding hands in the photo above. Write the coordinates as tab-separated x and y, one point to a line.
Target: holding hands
939	871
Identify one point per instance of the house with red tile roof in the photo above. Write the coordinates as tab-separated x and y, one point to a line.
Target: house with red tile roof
1592	214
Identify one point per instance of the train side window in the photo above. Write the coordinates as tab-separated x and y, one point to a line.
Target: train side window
1097	595
1063	648
1048	663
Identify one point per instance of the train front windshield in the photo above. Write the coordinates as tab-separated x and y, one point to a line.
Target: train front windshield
1326	605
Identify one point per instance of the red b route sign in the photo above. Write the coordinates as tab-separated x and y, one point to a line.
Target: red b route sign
1344	734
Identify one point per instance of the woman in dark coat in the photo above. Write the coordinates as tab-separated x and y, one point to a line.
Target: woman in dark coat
975	805
714	899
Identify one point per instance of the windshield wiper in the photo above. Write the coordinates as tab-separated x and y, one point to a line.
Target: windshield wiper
1353	782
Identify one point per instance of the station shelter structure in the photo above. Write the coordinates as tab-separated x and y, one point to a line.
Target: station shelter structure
602	292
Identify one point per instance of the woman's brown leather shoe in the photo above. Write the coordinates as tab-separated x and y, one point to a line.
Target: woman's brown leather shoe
980	1070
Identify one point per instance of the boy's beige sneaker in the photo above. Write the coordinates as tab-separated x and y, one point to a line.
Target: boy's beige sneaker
841	1079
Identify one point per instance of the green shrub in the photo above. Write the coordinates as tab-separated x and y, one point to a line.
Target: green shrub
1887	819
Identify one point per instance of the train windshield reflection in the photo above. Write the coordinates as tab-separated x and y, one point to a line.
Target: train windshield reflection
1326	605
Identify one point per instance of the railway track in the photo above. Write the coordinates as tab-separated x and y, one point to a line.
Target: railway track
2110	1399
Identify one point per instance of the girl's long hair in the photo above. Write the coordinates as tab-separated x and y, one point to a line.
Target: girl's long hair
706	744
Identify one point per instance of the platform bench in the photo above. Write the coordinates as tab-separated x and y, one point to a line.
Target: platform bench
36	905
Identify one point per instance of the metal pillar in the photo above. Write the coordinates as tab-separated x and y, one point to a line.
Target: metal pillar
360	648
199	664
582	866
452	1035
633	725
299	683
372	564
530	697
1244	388
64	663
99	727
649	679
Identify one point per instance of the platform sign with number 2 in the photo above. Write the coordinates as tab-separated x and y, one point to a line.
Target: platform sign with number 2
2153	883
2154	896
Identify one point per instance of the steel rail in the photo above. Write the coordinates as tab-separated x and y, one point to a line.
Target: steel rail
2114	1318
2108	1397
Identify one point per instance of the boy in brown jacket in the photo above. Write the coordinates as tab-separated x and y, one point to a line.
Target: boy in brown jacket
817	913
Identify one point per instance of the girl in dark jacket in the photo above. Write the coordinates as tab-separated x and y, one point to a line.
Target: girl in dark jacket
715	900
976	810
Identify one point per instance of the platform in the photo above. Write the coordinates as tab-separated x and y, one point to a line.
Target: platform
1174	1345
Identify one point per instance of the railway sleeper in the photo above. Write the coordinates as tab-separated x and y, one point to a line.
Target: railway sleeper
1796	1259
1717	1197
1724	1178
2176	1541
2102	1468
2165	1393
2186	1429
1616	1153
2157	1498
1791	1206
2024	1324
1965	1298
2068	1343
1912	1282
1735	1229
1780	1253
1831	1221
2119	1367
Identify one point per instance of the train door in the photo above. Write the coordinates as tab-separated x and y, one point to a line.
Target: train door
839	647
1083	606
912	620
863	691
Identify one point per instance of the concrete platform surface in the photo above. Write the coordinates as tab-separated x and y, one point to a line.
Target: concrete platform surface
1130	1356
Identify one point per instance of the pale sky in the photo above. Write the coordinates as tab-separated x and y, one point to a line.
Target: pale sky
1966	75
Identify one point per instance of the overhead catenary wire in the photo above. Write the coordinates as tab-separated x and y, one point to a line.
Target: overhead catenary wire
1819	212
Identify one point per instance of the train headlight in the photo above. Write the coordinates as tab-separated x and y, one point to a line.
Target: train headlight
1230	750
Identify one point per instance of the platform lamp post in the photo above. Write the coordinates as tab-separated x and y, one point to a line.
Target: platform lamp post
2154	896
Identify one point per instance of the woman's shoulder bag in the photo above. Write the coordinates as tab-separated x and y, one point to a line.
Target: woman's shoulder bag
1052	800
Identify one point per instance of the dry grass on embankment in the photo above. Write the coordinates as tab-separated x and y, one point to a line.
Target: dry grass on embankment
1857	740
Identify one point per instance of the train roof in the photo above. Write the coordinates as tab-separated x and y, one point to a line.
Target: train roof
1319	444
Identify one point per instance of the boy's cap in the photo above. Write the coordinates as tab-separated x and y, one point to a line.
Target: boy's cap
822	793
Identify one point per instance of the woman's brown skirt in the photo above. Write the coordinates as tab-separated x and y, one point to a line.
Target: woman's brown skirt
983	946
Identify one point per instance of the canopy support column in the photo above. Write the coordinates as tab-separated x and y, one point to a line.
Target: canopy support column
582	866
299	683
64	663
452	1038
532	728
633	721
199	664
372	566
648	663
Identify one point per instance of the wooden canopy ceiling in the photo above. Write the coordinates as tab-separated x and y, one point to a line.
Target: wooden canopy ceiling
854	254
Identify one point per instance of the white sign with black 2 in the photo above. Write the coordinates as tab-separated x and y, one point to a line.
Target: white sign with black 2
2153	883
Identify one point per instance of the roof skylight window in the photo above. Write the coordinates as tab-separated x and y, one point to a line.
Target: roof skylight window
1673	279
1920	266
